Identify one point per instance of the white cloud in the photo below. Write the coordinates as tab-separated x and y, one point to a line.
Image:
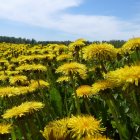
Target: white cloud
99	27
52	14
28	10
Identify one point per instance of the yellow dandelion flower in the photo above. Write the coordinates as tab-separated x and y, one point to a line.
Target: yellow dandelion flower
50	56
22	90
131	45
72	68
101	85
5	128
77	44
56	129
33	67
25	58
84	91
0	67
11	67
124	75
8	91
60	47
81	39
23	109
102	51
14	91
9	73
63	79
53	46
96	138
45	49
33	57
64	57
40	83
88	126
4	62
3	77
14	60
17	78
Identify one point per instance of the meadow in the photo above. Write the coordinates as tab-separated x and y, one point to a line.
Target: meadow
73	92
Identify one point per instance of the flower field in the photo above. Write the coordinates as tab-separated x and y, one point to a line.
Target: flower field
76	92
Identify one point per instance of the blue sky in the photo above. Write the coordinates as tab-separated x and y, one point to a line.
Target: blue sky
70	20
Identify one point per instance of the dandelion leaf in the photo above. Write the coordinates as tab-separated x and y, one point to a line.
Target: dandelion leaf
56	100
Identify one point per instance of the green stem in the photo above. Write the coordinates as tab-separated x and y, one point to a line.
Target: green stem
77	104
86	105
124	133
22	127
65	102
70	110
103	67
138	54
13	135
136	97
132	99
33	128
133	107
136	102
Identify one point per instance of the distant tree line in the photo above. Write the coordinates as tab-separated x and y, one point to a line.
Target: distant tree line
17	40
116	43
29	41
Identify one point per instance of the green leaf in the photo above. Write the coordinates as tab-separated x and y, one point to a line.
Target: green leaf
56	100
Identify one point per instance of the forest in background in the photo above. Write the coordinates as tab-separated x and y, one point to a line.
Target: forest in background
6	39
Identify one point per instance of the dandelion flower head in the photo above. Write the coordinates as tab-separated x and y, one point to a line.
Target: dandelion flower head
5	128
23	109
131	45
84	91
100	86
126	75
102	51
88	126
72	68
56	129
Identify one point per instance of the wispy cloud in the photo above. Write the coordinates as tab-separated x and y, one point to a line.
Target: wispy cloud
53	15
30	10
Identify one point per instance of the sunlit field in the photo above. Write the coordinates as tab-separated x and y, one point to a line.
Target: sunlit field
76	92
